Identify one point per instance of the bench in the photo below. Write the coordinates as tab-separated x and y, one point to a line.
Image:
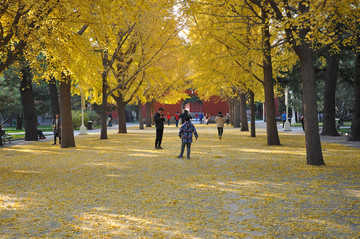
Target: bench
5	136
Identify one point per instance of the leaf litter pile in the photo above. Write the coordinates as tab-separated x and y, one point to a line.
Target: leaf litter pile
231	188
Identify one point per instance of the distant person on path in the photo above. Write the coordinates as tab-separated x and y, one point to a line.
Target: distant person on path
283	116
227	118
220	121
201	117
41	134
207	117
177	119
185	133
56	123
196	117
168	117
109	120
183	116
159	124
302	121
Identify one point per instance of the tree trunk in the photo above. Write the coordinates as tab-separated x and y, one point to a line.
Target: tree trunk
27	99
67	130
313	146
19	122
122	115
236	103
243	113
1	142
329	125
103	134
355	124
54	97
141	120
271	127
252	115
231	111
148	114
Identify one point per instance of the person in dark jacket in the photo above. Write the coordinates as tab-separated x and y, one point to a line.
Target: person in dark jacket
56	123
184	116
159	124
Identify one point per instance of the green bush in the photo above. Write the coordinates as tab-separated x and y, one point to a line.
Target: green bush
88	116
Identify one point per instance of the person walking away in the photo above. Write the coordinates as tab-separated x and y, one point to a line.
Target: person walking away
196	117
185	133
168	117
207	117
56	123
201	116
220	121
159	124
227	118
283	116
177	119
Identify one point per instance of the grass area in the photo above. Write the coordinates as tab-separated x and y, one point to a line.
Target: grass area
232	188
14	130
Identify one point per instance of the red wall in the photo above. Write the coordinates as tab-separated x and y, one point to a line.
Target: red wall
212	107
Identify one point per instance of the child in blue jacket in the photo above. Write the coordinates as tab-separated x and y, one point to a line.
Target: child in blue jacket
185	134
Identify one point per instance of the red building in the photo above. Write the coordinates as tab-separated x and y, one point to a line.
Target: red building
193	105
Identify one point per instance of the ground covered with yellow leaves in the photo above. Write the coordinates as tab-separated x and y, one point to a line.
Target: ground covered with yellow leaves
124	188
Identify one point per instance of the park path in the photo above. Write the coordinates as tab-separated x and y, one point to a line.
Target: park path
232	188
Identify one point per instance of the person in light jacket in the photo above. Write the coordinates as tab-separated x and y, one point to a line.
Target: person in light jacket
220	121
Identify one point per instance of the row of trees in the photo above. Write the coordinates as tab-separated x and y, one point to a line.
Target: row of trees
247	46
123	52
116	52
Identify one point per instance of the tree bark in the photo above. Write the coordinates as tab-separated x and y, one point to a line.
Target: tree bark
103	134
271	127
1	142
329	124
141	120
236	104
252	115
122	115
27	99
54	97
19	122
313	146
231	111
355	124
67	130
148	114
243	113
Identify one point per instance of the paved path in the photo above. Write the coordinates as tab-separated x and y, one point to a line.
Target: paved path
259	125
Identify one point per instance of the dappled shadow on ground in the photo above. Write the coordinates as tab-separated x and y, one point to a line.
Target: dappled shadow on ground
231	188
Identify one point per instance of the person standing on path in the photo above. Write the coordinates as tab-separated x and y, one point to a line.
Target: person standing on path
227	118
201	117
183	116
159	124
185	133
220	121
283	116
56	123
168	117
207	117
177	119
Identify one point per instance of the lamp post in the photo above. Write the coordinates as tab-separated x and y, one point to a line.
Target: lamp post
82	127
293	118
287	126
